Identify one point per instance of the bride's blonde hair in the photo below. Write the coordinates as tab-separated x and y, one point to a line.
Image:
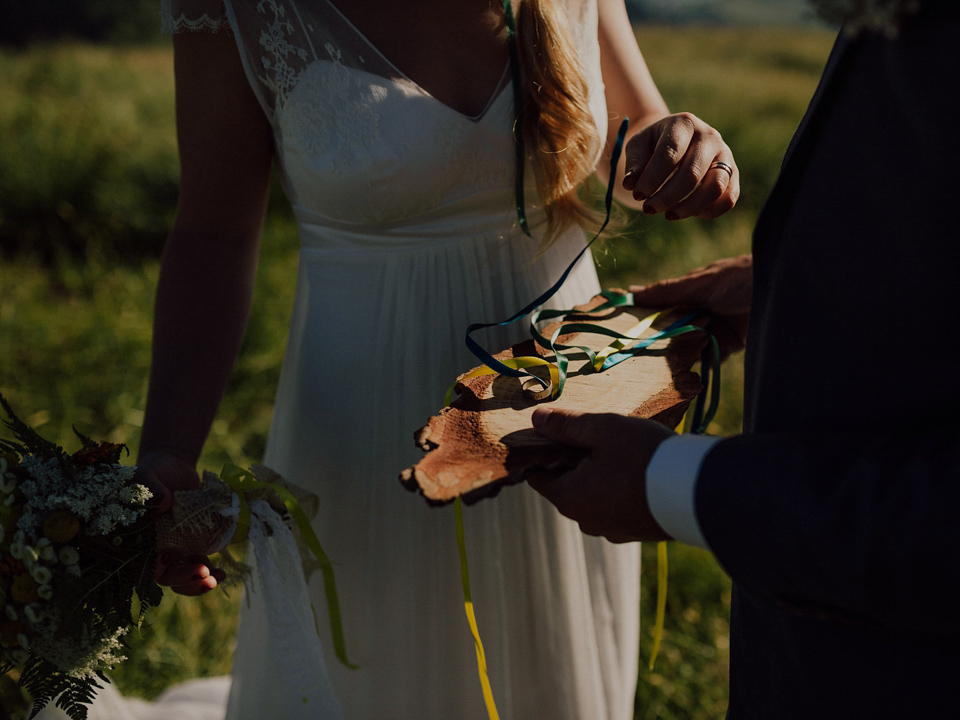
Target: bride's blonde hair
556	124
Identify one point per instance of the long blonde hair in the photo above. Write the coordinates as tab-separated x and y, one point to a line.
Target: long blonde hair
557	126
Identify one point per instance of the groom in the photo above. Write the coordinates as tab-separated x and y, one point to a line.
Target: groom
837	511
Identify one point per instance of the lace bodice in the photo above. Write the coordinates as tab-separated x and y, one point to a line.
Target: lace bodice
359	143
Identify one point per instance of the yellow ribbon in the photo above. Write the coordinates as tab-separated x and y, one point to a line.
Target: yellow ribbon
518	363
661	600
632	334
471	617
242	481
658	624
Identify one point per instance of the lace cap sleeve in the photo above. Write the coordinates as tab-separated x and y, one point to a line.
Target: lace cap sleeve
177	16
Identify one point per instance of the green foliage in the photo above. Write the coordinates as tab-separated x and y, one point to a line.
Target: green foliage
689	678
114	20
47	683
88	167
88	158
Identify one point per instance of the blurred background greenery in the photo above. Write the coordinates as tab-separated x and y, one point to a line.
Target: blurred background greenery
88	184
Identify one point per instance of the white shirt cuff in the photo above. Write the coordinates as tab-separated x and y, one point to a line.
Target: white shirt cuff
672	482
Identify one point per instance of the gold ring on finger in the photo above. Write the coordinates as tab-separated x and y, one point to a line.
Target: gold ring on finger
720	165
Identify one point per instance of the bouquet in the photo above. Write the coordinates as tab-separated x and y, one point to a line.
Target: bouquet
78	550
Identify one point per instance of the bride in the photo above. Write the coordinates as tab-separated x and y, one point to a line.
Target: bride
392	125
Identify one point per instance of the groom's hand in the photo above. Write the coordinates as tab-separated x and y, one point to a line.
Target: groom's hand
606	492
723	289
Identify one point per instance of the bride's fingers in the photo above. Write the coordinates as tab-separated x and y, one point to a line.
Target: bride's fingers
692	168
195	589
188	575
717	193
652	161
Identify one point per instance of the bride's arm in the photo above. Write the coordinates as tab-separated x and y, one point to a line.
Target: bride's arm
207	270
660	144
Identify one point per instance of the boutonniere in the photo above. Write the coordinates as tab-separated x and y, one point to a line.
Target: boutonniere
856	16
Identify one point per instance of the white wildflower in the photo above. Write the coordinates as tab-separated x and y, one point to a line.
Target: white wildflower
11	612
18	655
41	574
28	523
8	483
135	494
48	553
30	556
24	642
68	555
16	549
82	656
103	496
33	612
45	592
11	499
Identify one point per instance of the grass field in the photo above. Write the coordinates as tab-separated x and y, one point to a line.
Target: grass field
87	188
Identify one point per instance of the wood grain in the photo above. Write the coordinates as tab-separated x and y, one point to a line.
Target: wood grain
485	439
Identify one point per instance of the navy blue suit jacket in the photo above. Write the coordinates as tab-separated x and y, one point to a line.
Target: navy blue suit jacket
837	512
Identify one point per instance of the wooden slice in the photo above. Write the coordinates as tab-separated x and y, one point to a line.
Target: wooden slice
485	439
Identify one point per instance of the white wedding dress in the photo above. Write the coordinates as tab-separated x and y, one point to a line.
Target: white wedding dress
408	227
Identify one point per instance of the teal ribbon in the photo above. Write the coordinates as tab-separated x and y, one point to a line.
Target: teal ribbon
485	357
515	79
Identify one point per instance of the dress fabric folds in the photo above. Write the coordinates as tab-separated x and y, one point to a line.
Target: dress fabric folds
408	229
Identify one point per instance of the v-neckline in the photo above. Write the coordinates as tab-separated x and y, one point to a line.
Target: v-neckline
502	84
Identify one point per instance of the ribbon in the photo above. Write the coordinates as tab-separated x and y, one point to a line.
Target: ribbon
695	421
471	617
661	601
515	80
243	481
488	359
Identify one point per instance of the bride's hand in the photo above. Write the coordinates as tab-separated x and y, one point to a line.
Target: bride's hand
164	474
681	166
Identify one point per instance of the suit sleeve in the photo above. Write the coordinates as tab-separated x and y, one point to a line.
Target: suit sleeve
864	527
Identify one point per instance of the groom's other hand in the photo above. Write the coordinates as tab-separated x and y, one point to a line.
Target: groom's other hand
606	493
723	289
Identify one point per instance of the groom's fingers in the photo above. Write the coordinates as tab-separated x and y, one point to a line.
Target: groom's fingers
576	495
564	491
569	427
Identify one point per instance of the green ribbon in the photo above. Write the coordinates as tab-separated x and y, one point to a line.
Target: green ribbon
243	481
